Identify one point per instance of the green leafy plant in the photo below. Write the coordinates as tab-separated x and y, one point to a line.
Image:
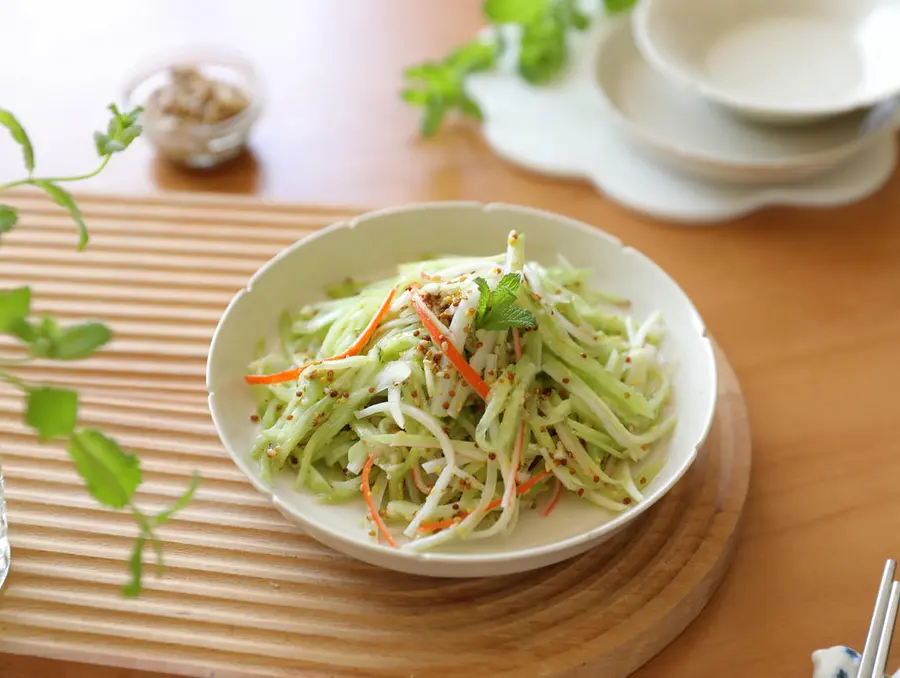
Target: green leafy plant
496	308
111	474
544	25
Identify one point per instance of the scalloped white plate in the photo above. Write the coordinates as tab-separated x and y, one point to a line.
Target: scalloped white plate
370	247
566	130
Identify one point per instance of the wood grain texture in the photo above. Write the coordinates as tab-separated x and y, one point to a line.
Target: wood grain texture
246	594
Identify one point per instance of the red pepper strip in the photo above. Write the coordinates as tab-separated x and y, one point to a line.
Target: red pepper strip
553	499
367	493
450	522
449	350
355	348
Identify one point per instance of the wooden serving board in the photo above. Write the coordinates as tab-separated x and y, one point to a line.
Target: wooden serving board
244	592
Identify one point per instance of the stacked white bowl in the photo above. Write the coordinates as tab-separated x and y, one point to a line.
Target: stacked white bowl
755	91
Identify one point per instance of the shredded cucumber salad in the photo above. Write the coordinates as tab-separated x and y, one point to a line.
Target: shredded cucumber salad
461	392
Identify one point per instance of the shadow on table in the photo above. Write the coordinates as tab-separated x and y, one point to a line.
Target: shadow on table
243	174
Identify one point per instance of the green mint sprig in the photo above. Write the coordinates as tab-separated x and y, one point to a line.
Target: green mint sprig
497	310
439	87
112	475
121	131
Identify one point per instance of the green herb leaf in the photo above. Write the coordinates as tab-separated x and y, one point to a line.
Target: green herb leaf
468	107
8	218
62	198
136	566
8	120
473	57
182	501
23	330
111	474
484	299
15	305
435	110
618	6
79	341
506	291
43	336
569	15
52	412
544	51
510	316
121	130
510	282
513	11
415	97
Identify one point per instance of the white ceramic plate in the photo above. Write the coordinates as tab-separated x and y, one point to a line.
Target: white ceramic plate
565	130
776	60
370	247
694	135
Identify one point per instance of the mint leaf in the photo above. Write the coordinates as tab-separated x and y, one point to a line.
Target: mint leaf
416	97
136	566
49	340
468	107
15	305
568	14
618	6
513	11
62	198
52	412
42	336
483	300
8	218
472	57
79	341
121	130
164	516
435	110
23	330
510	316
511	282
544	51
8	120
506	291
111	474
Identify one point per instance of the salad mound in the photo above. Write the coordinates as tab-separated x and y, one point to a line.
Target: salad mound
462	391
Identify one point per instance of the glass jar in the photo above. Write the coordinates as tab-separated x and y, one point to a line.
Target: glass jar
197	145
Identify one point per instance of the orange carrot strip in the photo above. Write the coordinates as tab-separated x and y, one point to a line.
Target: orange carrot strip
367	493
553	499
355	347
449	350
522	489
439	524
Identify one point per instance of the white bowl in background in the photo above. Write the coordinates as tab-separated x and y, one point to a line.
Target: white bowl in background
692	134
776	60
370	247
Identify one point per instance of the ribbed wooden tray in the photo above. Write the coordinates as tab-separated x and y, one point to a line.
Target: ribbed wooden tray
245	593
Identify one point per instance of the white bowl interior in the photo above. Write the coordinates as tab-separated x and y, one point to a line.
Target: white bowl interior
673	119
370	247
787	56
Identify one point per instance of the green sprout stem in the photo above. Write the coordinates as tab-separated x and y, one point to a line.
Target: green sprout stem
80	177
111	474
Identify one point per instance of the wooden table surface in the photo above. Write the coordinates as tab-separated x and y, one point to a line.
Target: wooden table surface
805	303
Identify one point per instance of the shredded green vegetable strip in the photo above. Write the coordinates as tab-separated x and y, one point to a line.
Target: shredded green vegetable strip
584	393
